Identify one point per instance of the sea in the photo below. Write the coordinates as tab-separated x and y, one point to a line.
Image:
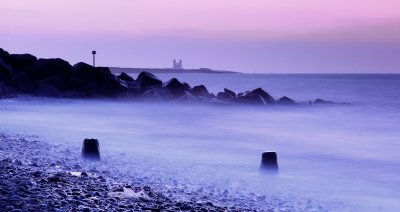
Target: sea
333	157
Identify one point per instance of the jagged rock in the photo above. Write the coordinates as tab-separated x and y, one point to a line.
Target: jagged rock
147	79
21	82
224	96
199	91
18	61
260	92
285	101
176	88
47	90
113	86
321	101
4	55
157	93
125	77
230	93
251	99
46	68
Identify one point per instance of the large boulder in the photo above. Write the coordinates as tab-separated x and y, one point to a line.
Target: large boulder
46	68
4	55
157	93
95	81
285	101
230	93
125	77
47	90
260	92
199	91
147	80
21	82
176	88
6	91
18	61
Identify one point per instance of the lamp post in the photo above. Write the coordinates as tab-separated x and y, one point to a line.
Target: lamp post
94	57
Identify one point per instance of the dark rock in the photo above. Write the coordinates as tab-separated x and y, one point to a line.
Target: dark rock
95	80
18	61
224	96
251	99
55	81
125	77
84	174
147	79
53	179
285	101
199	91
6	91
47	90
269	162
5	70
21	82
230	93
260	92
321	101
90	149
46	68
176	88
157	93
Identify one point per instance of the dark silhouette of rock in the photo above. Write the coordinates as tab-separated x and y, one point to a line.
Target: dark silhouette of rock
55	81
4	55
199	91
321	101
157	93
224	96
125	77
6	91
18	61
176	88
285	101
229	92
21	82
250	99
47	90
46	68
147	79
269	163
6	70
260	92
113	86
73	94
91	149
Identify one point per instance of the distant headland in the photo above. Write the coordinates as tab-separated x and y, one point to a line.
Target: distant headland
118	70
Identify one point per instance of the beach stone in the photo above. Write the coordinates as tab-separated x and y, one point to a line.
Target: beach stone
90	149
251	99
147	79
269	162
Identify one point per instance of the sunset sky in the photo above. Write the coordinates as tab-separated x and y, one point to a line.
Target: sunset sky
273	36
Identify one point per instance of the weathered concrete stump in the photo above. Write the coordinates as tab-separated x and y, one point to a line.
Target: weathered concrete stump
90	149
269	163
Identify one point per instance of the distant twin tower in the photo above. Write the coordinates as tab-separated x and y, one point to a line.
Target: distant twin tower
177	65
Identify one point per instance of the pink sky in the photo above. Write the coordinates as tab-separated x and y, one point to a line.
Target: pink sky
244	22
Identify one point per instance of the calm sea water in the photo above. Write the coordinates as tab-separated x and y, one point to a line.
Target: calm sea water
342	158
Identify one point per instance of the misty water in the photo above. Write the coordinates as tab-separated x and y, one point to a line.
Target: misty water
331	157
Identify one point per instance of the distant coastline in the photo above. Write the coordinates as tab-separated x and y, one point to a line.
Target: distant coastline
117	70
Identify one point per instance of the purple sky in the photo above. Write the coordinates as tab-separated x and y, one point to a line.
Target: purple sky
273	36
